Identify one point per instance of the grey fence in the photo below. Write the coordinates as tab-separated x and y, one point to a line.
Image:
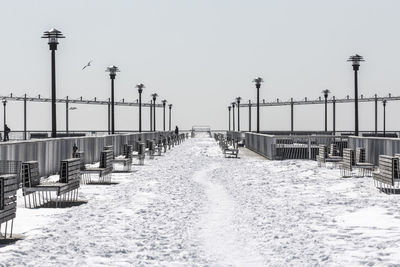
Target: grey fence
278	147
49	152
375	146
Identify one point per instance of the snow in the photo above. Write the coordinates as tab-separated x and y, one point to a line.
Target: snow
193	207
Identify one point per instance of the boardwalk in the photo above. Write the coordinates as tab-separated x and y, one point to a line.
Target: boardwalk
192	207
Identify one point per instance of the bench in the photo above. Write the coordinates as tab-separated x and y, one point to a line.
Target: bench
65	190
347	163
388	175
323	157
228	151
126	160
150	148
365	168
9	184
103	172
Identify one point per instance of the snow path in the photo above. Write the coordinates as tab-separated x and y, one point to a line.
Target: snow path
193	207
219	234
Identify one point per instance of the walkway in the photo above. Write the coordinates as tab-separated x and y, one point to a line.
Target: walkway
192	207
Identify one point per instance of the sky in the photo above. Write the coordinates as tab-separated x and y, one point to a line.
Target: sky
200	56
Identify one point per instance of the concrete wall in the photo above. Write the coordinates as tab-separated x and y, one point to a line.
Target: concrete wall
49	152
261	143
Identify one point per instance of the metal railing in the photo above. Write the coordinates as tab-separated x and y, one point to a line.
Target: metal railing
49	152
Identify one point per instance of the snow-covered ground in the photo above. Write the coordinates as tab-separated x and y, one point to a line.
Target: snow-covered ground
193	207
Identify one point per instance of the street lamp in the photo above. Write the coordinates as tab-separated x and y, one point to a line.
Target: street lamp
258	82
384	117
151	115
238	108
326	93
233	114
53	35
229	111
113	72
164	102
140	87
170	108
356	59
4	120
154	96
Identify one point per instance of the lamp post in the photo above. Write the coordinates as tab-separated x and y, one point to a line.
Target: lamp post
233	115
164	102
326	93
66	116
4	119
249	115
384	117
151	115
229	124
108	114
113	72
356	59
53	35
238	108
140	87
25	117
258	82
170	108
154	96
376	115
291	115
334	115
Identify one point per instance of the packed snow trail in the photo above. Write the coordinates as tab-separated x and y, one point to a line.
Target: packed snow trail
193	207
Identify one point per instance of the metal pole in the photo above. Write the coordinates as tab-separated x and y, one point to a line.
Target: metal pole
25	117
163	116
258	107
291	115
53	95
238	110
140	111
233	116
66	115
249	115
384	118
112	105
4	120
326	112
376	115
355	100
229	124
109	108
334	115
154	114
151	115
170	108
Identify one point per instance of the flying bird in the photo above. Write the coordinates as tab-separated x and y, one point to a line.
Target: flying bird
87	65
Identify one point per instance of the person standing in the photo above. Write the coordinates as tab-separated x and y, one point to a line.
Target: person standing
7	130
176	130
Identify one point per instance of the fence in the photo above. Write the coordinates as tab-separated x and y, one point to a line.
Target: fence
49	152
279	147
375	146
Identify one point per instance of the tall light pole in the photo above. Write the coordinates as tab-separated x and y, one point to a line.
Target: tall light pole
164	102
356	59
384	117
249	115
154	96
291	115
53	35
140	87
233	115
326	93
151	115
258	82
376	115
170	108
4	119
113	72
109	114
229	124
334	115
238	108
25	137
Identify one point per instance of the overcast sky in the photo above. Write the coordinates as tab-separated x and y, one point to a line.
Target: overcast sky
200	55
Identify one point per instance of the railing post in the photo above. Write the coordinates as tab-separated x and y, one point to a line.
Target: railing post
309	147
